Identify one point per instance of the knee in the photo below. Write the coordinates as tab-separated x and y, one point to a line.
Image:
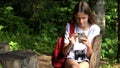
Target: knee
72	66
84	65
75	66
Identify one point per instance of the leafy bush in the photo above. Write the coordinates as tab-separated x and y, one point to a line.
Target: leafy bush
109	48
110	40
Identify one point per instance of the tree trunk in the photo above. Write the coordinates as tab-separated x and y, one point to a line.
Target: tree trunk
99	11
4	47
19	59
95	57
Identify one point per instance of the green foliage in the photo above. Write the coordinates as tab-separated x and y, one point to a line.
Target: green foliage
48	37
110	41
111	15
109	48
10	22
13	45
106	66
1	27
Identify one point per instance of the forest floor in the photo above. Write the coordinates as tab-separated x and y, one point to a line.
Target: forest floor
45	62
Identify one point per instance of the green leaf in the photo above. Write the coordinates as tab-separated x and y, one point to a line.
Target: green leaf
104	44
103	51
111	51
108	41
12	43
9	8
1	27
108	17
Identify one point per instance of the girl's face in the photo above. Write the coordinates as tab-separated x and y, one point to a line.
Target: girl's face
82	19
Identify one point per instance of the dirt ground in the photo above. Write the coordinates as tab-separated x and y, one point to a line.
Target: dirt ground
45	62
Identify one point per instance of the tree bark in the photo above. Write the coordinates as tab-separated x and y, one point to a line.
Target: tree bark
19	59
4	47
99	11
95	57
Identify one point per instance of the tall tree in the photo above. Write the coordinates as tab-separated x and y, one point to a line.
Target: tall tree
99	11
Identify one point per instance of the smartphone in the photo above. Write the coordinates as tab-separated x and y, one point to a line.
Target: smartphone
81	35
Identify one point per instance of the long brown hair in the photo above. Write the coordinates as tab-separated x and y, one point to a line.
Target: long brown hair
84	7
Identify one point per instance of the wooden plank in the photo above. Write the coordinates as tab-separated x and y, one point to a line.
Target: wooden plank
95	57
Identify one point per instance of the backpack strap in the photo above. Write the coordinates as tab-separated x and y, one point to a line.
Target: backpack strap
72	26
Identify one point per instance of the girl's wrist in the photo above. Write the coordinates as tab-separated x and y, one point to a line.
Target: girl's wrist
89	46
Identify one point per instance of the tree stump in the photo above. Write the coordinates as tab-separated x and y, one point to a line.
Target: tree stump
95	57
19	59
4	47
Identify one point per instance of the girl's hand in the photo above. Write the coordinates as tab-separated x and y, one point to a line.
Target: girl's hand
72	38
86	42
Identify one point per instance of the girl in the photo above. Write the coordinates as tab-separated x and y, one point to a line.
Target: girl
79	52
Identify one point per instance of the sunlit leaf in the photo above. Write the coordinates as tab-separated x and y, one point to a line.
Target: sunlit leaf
12	43
111	51
1	27
108	40
9	8
104	44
